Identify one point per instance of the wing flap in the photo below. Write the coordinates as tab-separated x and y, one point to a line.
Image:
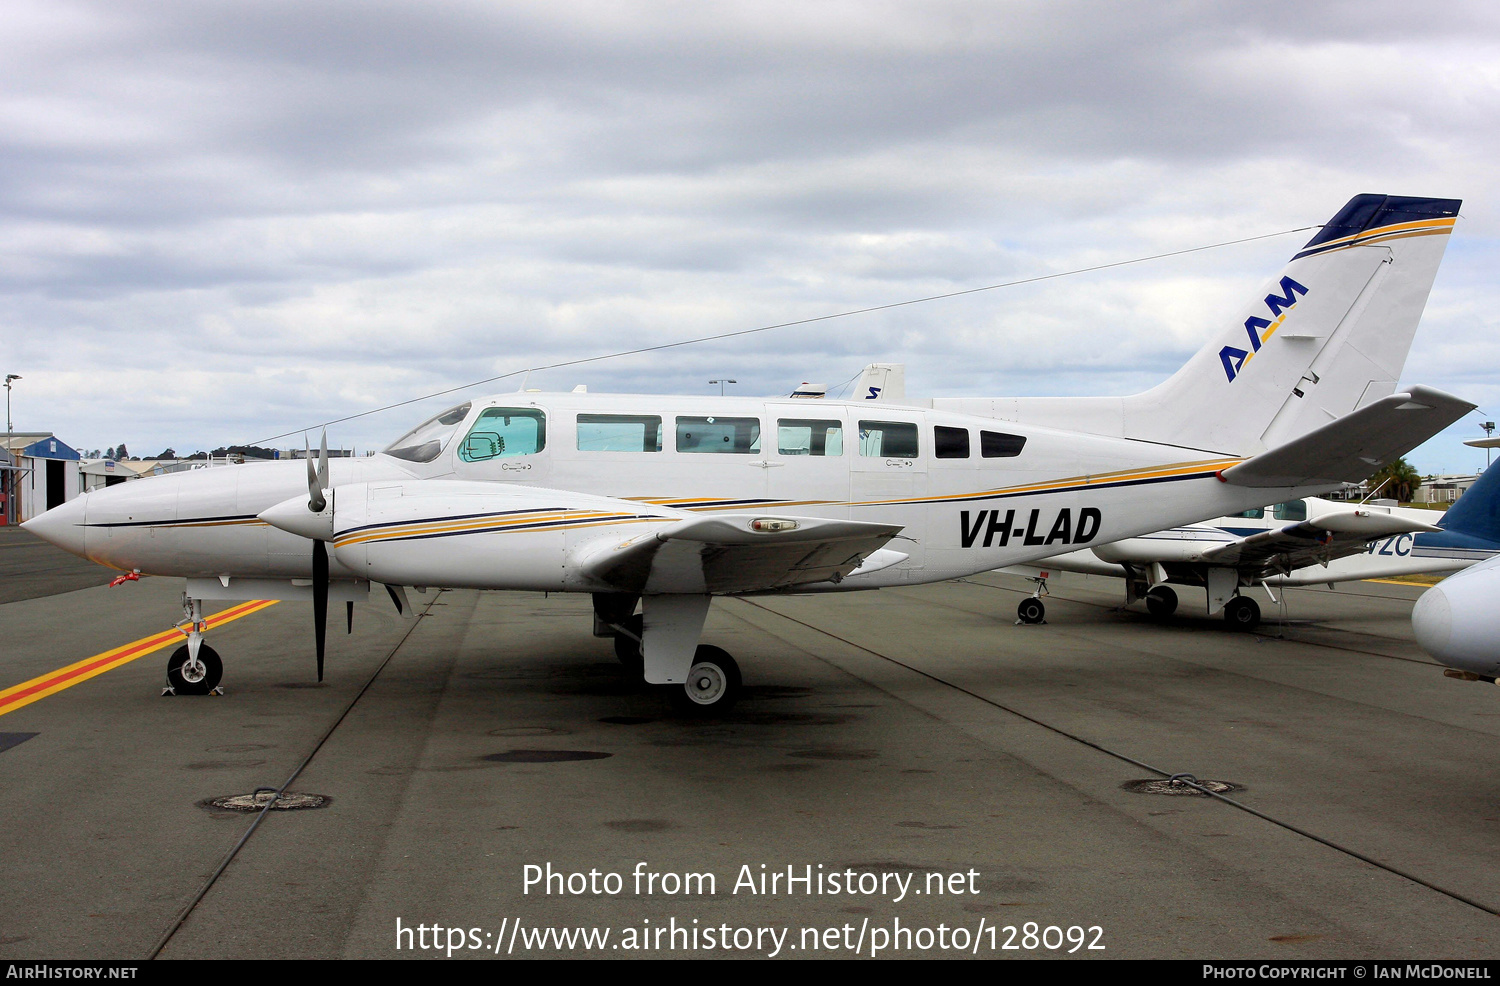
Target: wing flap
1353	447
1317	540
725	554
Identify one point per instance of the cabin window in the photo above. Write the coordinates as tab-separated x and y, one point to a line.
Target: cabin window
802	436
950	443
893	438
1291	510
998	445
1254	513
425	442
619	433
503	432
735	436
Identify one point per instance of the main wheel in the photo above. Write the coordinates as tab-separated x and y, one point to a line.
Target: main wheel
1242	613
627	648
713	682
1031	610
1161	602
187	679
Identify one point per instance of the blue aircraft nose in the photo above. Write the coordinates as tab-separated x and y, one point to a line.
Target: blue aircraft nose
62	525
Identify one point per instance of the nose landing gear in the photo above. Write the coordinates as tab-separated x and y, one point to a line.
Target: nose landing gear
194	668
1032	610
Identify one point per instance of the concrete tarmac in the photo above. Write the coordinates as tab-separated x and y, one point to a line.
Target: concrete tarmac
914	732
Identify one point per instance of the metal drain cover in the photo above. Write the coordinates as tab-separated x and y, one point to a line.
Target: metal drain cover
290	801
1176	787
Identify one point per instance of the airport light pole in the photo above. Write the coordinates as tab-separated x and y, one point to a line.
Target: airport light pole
1489	432
10	474
721	384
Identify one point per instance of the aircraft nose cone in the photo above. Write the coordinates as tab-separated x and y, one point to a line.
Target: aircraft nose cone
62	525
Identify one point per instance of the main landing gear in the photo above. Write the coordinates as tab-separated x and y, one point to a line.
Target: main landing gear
194	668
1161	602
1242	613
711	681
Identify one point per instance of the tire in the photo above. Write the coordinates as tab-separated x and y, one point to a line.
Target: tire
713	683
184	684
1031	610
1161	602
1242	613
628	649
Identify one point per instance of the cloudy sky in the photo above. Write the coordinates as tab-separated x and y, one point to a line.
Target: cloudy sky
221	221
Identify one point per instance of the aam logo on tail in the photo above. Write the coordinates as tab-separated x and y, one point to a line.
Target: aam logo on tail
1232	358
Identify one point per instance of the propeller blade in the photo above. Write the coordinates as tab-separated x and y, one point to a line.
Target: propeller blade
323	462
315	499
350	604
320	599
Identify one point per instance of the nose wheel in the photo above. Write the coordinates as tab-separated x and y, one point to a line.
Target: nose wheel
186	676
1032	610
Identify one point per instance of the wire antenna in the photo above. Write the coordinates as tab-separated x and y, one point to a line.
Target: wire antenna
786	325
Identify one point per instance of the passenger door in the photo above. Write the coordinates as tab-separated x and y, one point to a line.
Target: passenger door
807	458
888	473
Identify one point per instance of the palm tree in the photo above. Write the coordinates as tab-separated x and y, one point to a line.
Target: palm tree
1399	478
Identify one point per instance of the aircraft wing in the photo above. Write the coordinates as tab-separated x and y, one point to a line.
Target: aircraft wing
1317	540
1350	448
723	553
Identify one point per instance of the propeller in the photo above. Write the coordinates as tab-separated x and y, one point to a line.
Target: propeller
317	502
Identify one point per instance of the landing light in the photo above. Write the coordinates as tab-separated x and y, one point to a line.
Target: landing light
772	525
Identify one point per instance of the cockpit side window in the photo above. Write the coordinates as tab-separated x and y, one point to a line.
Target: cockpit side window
503	432
425	442
1254	513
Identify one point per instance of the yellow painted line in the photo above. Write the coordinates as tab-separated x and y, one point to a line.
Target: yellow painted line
29	691
1413	581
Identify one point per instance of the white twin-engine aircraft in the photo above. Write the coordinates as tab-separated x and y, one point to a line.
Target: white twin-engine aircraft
665	502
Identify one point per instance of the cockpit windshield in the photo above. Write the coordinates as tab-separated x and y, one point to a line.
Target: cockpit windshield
425	442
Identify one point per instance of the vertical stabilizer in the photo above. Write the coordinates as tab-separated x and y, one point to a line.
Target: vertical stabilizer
1326	336
1476	514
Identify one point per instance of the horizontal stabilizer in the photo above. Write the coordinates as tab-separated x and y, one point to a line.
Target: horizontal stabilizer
1353	447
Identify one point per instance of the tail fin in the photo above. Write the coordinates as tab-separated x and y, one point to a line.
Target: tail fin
1327	336
1477	512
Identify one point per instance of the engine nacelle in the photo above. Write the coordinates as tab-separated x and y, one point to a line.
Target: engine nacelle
467	534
